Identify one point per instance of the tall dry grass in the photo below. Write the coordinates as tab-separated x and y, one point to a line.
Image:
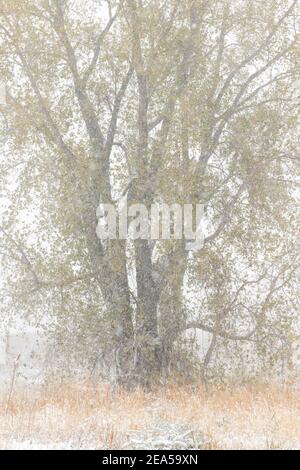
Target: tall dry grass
82	415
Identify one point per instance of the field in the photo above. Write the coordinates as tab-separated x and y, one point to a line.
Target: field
85	416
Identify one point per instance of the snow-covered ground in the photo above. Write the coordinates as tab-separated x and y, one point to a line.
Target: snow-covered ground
88	417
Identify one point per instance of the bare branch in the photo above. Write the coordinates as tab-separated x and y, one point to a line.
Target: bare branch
97	48
226	216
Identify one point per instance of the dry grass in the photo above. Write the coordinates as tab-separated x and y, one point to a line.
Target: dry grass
103	417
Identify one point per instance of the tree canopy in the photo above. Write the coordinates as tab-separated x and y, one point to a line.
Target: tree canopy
180	102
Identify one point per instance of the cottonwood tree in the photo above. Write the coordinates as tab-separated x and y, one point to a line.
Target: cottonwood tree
165	101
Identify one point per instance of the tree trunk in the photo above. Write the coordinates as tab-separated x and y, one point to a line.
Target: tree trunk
148	343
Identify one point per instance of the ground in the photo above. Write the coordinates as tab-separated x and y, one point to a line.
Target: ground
85	416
